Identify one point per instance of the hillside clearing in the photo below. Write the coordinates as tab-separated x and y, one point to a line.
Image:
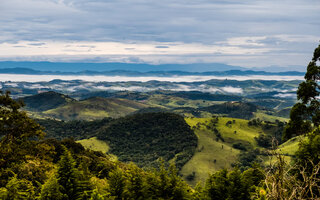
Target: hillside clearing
95	144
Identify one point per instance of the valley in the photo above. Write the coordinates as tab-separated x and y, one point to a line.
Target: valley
194	130
224	130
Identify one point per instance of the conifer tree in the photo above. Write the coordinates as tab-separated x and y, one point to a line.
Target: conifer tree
227	185
135	184
51	189
68	176
168	185
117	183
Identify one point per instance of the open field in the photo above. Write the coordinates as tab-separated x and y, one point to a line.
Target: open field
212	155
95	144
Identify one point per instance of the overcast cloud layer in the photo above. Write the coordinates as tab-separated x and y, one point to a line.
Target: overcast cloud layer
248	33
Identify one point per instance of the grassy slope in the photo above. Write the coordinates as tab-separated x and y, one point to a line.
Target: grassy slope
95	144
209	149
290	146
265	117
287	150
174	102
95	108
243	131
203	161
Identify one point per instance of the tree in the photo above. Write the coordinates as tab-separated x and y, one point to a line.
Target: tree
51	189
305	119
216	185
15	125
308	153
117	183
233	184
17	131
306	112
68	176
17	189
135	184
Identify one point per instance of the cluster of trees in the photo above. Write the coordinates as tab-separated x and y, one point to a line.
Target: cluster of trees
233	109
195	95
76	128
145	137
273	130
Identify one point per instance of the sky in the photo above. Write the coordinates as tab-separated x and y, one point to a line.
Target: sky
247	33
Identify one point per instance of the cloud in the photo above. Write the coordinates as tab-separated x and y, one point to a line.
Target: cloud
47	78
251	33
37	44
286	95
230	89
162	47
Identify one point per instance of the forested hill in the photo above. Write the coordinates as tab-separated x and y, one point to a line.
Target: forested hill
59	106
46	101
233	109
144	138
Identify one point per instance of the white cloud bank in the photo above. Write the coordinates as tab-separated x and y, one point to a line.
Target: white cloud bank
47	78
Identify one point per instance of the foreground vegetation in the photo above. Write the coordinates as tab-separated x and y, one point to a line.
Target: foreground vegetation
50	169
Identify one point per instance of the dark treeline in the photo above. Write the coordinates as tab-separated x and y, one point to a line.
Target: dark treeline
76	129
233	109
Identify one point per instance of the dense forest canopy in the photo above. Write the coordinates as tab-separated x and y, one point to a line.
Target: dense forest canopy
144	138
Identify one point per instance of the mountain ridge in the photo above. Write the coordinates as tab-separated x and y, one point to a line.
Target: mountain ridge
138	67
29	71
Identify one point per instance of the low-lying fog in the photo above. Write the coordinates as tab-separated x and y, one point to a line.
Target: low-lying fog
47	78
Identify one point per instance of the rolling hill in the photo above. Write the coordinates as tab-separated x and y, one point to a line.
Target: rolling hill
95	108
144	138
233	109
221	143
46	101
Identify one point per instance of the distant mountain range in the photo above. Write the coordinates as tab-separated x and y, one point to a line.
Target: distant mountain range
150	73
60	67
